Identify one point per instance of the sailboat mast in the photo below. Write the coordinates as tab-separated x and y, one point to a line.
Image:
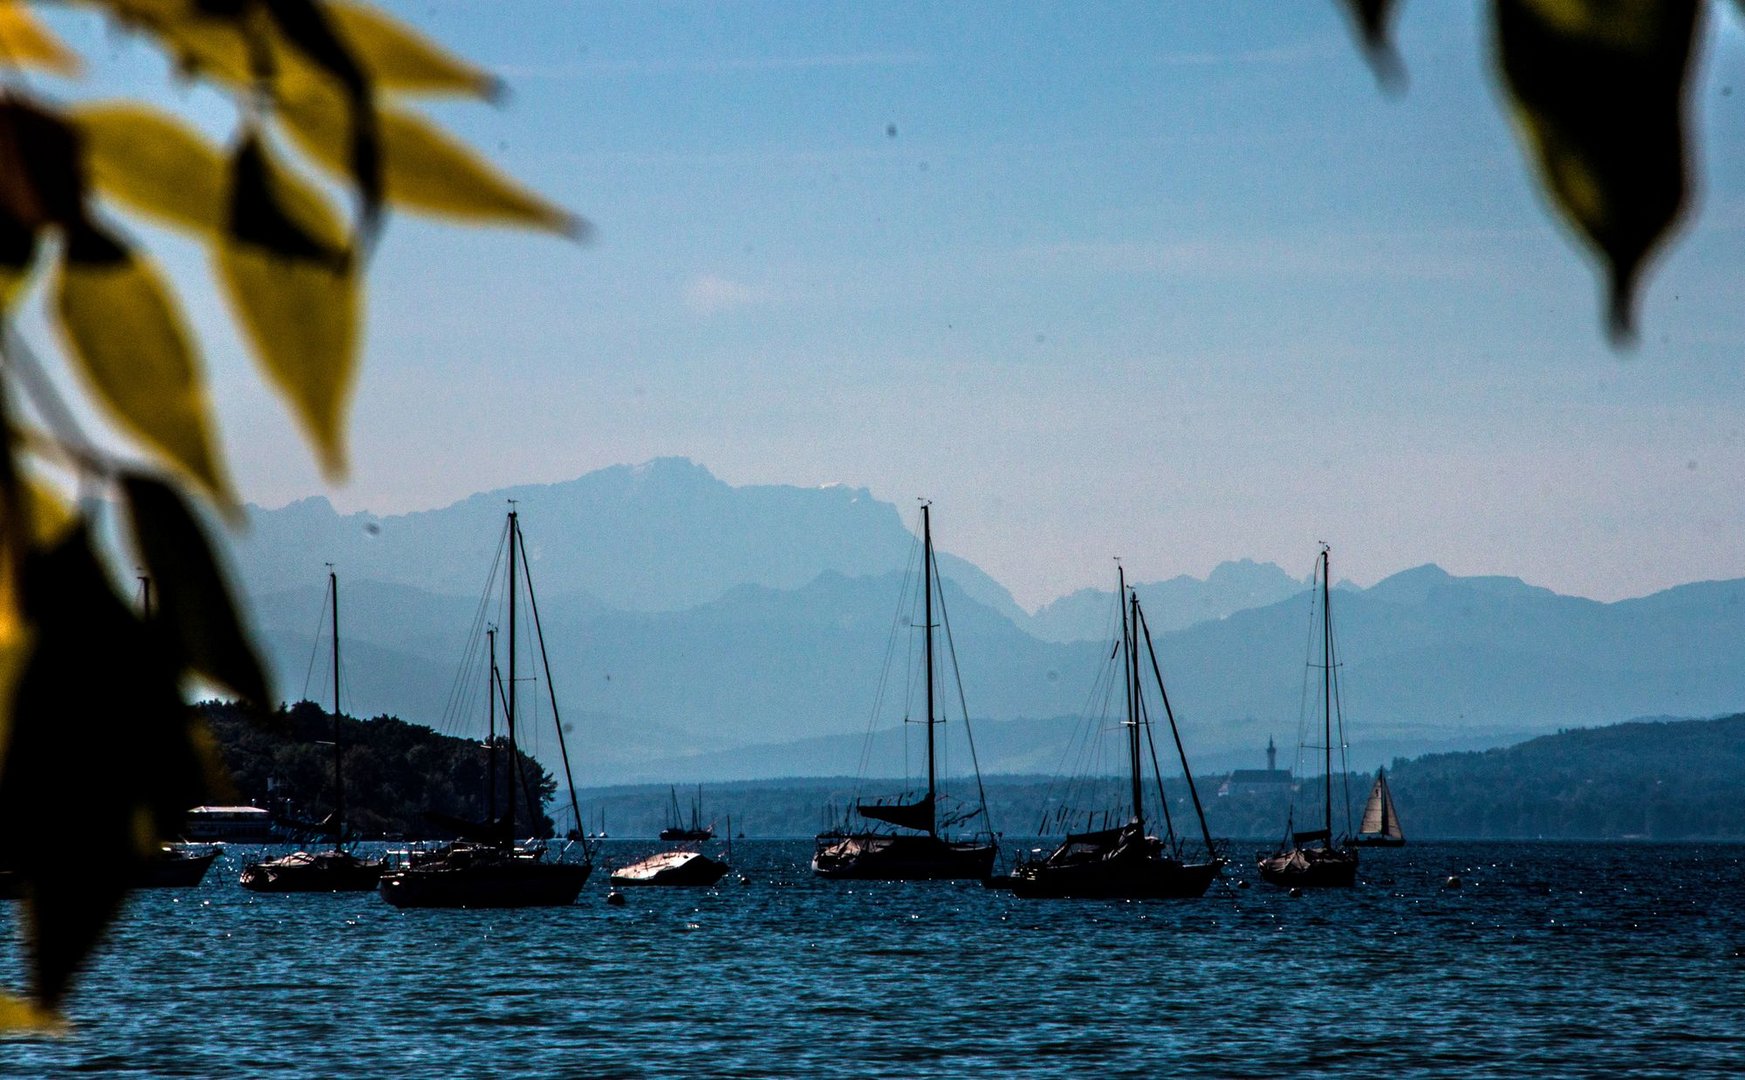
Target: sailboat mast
509	709
338	757
1327	690
927	616
1387	802
491	728
1129	617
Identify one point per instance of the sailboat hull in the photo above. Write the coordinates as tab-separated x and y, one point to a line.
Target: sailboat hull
175	868
678	868
1311	868
1113	864
469	876
886	857
1378	841
321	871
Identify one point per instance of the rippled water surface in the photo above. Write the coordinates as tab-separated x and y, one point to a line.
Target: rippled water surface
1553	959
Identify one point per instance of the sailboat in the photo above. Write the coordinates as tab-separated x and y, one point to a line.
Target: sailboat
337	869
696	830
1380	826
1312	858
174	866
487	867
919	851
1128	861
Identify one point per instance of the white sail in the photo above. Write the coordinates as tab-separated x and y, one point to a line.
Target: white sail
1379	816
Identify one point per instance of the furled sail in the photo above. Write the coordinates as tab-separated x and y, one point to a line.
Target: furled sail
1379	816
915	815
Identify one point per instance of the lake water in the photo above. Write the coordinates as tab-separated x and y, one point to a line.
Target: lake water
1553	959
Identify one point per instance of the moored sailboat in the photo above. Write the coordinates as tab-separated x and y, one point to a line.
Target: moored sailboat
1313	857
1380	826
922	850
1128	861
337	869
176	866
672	868
696	831
487	867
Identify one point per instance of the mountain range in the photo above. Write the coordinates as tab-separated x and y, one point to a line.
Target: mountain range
699	630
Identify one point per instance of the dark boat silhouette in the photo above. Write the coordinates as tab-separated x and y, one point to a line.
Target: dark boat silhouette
1314	858
921	850
696	831
672	868
486	867
337	869
1127	861
176	866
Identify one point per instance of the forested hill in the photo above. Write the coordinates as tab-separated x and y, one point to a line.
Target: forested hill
1651	779
1659	779
394	771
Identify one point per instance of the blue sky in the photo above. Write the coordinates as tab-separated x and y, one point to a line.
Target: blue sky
1170	281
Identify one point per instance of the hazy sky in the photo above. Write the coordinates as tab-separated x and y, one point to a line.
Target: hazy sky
1169	281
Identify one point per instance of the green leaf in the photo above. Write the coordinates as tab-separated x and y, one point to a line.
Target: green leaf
1598	88
195	607
155	164
295	294
129	737
126	337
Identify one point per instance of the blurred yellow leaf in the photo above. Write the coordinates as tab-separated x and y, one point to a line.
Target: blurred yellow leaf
196	612
199	42
18	1015
140	767
294	288
301	317
50	515
399	58
126	337
1598	88
25	42
154	163
424	169
17	253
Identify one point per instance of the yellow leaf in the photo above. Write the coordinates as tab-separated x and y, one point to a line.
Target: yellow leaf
19	1015
126	337
155	164
399	58
199	43
301	316
50	516
25	42
285	268
423	168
